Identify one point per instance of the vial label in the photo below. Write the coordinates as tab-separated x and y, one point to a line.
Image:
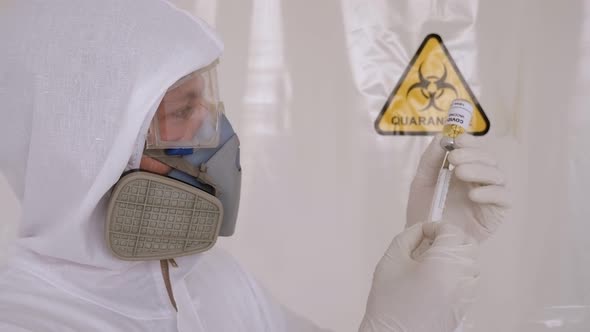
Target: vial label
458	121
460	113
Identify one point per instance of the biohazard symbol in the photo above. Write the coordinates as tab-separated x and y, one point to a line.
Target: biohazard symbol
420	101
432	87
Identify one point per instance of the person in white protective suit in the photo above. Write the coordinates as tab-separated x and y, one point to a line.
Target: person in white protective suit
126	169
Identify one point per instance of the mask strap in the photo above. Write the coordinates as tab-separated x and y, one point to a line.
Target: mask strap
181	164
176	162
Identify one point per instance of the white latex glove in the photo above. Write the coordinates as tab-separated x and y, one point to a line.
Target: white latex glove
429	294
10	212
477	199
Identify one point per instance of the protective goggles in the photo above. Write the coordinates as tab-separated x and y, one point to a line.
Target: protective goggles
188	117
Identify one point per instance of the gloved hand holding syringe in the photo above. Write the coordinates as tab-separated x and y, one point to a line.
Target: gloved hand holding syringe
458	121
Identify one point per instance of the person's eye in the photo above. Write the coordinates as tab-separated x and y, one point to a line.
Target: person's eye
183	113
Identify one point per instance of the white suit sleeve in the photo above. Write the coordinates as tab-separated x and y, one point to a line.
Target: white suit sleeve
10	212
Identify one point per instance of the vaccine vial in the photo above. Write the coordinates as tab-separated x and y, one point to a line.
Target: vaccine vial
457	123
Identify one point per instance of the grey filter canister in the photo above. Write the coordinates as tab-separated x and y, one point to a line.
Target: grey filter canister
152	217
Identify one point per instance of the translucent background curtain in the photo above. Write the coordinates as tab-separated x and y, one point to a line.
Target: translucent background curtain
323	193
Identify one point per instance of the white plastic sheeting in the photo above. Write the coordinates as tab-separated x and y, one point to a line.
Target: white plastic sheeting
323	193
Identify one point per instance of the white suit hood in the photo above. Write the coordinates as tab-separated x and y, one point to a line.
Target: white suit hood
78	80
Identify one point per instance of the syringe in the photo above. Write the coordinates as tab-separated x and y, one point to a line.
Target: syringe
440	190
458	121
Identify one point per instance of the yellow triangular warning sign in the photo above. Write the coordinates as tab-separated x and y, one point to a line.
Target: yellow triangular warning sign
420	101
